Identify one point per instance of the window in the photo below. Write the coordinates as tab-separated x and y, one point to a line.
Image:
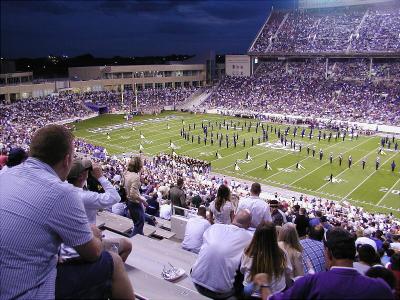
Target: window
12	80
159	85
148	86
139	87
168	84
25	79
186	84
178	84
149	74
127	75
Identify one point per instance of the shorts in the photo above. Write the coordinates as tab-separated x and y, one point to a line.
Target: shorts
85	280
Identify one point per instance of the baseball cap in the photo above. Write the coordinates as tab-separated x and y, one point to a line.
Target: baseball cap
78	166
366	241
16	156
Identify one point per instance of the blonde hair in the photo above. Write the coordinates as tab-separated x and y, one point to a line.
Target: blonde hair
288	235
135	164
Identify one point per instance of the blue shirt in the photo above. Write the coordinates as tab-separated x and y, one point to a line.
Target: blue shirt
338	283
37	212
314	252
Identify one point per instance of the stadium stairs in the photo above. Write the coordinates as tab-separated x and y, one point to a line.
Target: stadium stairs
150	253
195	99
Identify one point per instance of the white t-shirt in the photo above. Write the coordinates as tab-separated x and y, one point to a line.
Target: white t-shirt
259	209
195	229
224	215
219	257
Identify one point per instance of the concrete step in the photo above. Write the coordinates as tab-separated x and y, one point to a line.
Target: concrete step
149	287
150	256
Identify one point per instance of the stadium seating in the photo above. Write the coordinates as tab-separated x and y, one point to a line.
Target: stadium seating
346	92
330	31
146	262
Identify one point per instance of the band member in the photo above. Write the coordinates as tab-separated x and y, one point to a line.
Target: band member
377	163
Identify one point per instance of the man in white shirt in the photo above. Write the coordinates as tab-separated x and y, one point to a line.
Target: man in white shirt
195	229
258	208
94	201
219	258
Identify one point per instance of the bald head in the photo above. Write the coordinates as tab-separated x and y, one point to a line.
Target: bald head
242	219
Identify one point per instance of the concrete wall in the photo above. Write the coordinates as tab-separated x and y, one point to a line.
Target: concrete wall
237	65
85	73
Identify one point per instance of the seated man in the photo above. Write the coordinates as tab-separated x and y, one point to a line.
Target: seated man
154	206
165	210
94	201
342	281
215	268
195	229
38	212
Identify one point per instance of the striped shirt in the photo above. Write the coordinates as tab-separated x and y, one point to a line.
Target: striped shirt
37	212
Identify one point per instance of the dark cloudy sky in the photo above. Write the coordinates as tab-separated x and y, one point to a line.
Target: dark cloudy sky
130	28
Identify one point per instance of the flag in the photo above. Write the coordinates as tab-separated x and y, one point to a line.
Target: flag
142	136
141	147
133	129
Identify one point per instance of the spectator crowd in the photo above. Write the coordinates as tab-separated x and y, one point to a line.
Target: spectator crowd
303	89
336	30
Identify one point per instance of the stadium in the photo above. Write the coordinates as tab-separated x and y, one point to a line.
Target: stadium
186	175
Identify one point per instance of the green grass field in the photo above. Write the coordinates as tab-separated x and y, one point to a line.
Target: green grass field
374	190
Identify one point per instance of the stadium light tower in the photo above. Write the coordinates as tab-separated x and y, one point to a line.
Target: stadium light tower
136	99
122	95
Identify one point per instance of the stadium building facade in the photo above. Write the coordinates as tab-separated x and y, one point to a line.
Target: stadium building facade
112	78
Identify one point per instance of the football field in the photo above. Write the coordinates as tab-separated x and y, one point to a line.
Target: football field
376	190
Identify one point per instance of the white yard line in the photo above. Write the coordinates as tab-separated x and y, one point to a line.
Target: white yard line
362	182
344	171
388	192
268	162
326	164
